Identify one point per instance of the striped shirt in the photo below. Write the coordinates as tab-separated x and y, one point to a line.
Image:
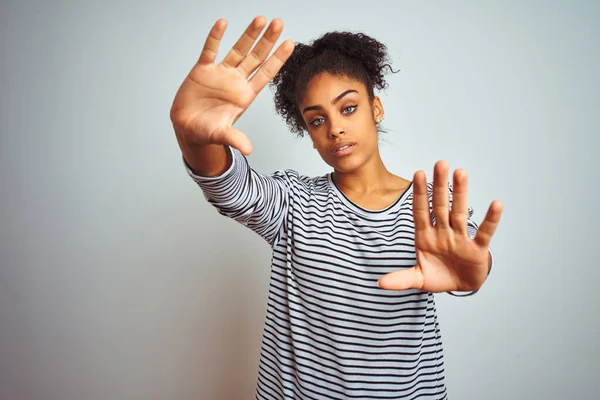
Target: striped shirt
330	331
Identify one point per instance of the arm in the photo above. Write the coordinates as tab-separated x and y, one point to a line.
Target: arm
255	200
209	101
213	96
205	160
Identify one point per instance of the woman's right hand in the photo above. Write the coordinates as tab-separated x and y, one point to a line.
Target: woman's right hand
213	96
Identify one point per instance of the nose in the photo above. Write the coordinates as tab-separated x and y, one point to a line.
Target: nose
335	131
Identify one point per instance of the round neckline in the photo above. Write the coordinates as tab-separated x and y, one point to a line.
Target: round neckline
367	212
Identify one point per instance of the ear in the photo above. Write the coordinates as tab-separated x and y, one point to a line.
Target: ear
377	109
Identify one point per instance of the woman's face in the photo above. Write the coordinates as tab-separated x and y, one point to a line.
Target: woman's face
341	121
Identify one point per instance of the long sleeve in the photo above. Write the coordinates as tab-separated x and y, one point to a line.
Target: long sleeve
257	201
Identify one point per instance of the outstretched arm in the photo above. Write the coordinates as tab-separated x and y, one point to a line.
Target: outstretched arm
213	96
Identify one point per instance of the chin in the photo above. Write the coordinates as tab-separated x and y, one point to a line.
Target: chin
346	165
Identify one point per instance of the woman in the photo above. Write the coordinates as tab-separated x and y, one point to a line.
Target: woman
358	253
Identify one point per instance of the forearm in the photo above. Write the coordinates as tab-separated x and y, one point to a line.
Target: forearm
206	160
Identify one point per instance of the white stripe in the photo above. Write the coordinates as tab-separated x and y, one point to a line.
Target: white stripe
330	331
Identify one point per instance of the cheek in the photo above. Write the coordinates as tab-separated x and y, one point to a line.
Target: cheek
316	140
321	147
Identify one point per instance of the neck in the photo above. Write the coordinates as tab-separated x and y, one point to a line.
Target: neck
371	177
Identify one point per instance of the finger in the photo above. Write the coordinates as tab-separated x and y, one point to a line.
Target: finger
421	213
261	51
245	42
238	140
269	69
460	202
211	44
440	194
410	278
488	227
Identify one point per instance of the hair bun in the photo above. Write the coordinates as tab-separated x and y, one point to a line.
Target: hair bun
340	42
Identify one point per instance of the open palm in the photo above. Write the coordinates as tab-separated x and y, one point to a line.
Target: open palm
213	96
448	259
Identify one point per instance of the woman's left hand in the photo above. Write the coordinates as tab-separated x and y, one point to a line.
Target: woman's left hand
447	258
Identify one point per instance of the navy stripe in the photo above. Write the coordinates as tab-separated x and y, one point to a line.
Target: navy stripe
330	331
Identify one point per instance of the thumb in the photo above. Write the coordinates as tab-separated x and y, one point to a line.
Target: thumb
409	278
238	140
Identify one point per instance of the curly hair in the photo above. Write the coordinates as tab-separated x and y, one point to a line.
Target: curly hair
353	55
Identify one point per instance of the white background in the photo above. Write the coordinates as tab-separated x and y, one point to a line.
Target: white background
118	280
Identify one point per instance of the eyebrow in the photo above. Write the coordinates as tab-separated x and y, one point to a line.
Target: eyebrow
338	98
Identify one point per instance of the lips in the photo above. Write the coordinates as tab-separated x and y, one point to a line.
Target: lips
343	149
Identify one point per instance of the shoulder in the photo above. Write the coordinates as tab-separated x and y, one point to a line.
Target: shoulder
303	182
303	188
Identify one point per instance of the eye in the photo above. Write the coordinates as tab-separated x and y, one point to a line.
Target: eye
316	121
351	108
346	111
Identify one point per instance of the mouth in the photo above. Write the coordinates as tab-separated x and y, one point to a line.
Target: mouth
343	149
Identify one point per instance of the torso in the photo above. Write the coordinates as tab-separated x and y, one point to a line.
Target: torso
331	332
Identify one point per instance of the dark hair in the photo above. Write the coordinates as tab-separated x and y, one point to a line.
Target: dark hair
354	55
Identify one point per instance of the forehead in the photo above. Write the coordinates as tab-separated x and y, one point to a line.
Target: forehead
323	88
